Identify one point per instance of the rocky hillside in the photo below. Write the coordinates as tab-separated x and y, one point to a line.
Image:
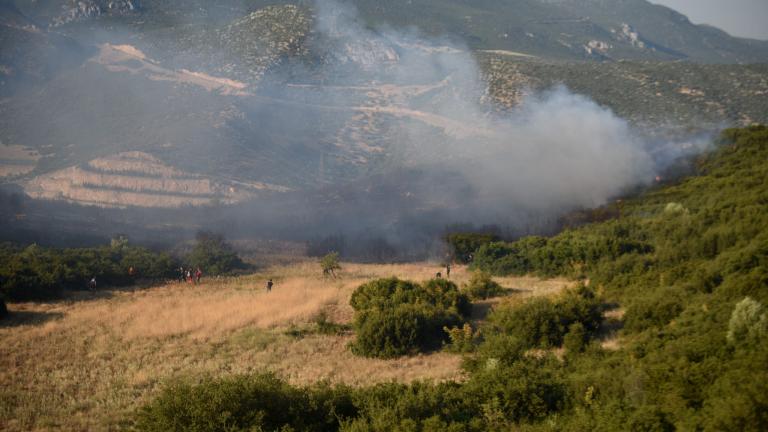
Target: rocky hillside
647	93
562	29
253	96
141	180
30	55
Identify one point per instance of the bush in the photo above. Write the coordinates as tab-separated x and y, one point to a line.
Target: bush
497	349
650	419
540	322
390	292
748	325
576	339
213	255
535	322
404	329
395	317
330	263
245	403
527	390
383	293
655	310
482	286
462	339
464	245
38	273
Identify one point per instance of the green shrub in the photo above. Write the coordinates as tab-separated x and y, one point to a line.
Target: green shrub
482	286
462	339
329	263
738	400
465	244
388	293
404	329
535	322
497	349
245	403
526	390
540	322
576	339
444	294
748	325
383	293
654	310
394	317
420	406
38	273
650	419
213	255
580	305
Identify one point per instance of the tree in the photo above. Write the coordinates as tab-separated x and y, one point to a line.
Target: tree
213	255
330	263
748	324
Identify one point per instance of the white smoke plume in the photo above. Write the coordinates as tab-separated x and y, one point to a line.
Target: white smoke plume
558	151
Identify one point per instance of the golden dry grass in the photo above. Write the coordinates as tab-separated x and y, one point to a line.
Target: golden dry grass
87	363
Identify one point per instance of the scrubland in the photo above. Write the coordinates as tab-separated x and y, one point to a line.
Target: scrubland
88	361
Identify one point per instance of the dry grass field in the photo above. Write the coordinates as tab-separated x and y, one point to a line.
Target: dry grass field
87	362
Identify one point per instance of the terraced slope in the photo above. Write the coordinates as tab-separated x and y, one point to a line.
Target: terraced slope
140	180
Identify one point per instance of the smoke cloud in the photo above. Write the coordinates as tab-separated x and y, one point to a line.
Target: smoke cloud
558	151
384	135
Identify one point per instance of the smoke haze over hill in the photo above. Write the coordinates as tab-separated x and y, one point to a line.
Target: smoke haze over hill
368	132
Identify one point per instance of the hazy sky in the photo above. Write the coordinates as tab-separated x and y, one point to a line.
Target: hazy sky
745	18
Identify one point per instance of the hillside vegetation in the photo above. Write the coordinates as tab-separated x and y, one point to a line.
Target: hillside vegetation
687	261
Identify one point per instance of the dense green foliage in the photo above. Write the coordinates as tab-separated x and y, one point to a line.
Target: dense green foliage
482	286
689	262
395	317
213	255
542	322
247	402
464	245
35	272
682	260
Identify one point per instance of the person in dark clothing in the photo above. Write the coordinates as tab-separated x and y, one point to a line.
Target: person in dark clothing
198	275
269	285
181	274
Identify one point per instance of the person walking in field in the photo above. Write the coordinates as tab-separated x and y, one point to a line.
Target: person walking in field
269	285
448	271
189	276
92	284
198	275
181	274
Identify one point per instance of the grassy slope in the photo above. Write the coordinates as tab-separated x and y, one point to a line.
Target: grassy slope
88	362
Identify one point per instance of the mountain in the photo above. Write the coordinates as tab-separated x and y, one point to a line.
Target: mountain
30	55
232	102
563	29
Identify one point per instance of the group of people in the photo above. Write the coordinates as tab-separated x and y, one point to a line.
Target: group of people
190	275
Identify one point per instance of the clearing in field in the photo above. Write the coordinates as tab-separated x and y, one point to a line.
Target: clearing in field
89	361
